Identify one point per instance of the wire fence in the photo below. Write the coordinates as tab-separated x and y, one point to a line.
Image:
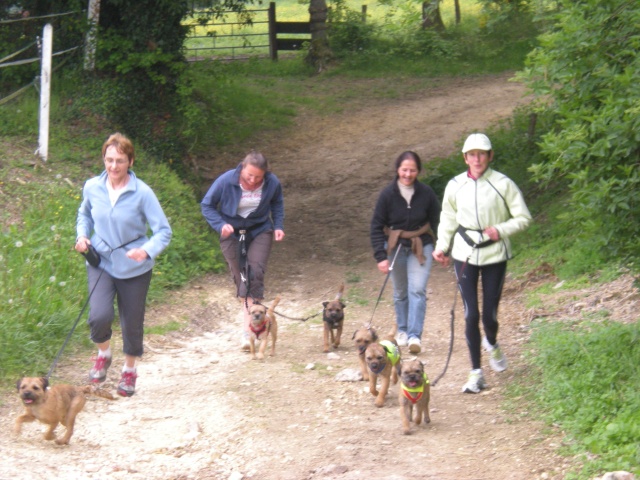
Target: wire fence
21	47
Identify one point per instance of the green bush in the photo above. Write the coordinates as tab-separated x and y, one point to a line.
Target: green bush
587	67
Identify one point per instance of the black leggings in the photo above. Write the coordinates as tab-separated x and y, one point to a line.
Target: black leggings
492	282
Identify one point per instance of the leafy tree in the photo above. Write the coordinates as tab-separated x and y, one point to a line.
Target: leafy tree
587	69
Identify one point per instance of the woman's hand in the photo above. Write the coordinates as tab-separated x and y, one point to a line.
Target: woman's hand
137	254
82	244
383	266
492	233
226	230
440	257
278	235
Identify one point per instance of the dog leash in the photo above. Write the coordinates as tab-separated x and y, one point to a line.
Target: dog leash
446	365
384	284
453	309
75	324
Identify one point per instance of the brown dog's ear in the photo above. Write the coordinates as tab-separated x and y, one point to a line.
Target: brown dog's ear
45	382
374	335
18	384
343	305
324	304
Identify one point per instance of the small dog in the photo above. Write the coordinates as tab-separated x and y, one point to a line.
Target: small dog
383	360
57	404
363	337
263	324
333	319
414	390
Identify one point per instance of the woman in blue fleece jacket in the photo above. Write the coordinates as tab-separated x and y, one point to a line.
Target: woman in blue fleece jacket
246	199
116	211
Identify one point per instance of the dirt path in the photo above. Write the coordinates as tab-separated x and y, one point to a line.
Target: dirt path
204	410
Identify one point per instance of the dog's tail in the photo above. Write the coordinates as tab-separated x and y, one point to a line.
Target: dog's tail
91	390
340	291
273	306
392	333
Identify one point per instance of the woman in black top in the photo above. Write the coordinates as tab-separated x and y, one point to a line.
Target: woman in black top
406	215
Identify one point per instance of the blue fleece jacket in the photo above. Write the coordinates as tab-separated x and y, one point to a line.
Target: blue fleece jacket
220	205
124	225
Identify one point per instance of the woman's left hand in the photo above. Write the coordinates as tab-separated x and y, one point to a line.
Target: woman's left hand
278	235
137	254
492	233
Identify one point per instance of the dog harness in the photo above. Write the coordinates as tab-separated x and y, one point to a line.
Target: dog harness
393	354
263	327
409	392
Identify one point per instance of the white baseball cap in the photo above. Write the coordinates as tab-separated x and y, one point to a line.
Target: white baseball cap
476	141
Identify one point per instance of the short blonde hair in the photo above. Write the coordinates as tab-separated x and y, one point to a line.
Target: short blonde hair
122	144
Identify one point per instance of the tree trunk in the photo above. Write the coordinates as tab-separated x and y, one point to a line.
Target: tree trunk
319	51
457	7
431	17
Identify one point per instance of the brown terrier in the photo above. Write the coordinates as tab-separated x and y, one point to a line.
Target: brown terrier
263	324
414	390
383	360
57	404
333	319
362	338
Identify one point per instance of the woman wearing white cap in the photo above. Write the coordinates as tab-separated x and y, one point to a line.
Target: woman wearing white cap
481	209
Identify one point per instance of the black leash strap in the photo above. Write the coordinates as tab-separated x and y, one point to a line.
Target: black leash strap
446	365
75	324
384	284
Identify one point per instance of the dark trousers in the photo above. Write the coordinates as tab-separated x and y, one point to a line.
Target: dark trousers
131	295
492	282
257	258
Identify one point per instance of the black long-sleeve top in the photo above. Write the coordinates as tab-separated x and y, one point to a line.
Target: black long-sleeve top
393	211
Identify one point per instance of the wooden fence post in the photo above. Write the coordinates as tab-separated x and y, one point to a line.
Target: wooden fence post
273	34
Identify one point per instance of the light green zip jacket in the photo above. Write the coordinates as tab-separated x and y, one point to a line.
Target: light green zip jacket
492	200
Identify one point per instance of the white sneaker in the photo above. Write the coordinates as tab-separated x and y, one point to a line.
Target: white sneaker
475	382
414	345
497	360
244	343
401	339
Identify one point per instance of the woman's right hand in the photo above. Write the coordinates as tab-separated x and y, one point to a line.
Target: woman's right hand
226	230
383	266
82	244
440	257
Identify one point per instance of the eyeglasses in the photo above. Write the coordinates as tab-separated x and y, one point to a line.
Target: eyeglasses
119	161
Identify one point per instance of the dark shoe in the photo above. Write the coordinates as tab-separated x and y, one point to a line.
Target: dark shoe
127	385
98	372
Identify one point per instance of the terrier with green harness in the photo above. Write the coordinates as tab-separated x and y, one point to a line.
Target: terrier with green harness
383	360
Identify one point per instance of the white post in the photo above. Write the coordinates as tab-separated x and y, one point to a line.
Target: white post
93	15
45	91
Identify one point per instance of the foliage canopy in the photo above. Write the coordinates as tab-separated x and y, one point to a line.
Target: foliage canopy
588	69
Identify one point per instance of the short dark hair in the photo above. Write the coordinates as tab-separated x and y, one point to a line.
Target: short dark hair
409	155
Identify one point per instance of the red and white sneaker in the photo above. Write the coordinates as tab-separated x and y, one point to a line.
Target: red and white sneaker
127	385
